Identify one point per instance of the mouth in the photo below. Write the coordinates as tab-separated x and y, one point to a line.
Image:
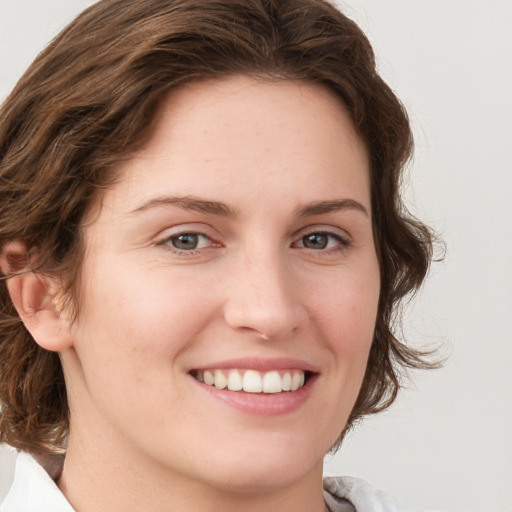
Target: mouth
253	381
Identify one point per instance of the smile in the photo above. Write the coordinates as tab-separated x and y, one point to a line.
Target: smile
252	381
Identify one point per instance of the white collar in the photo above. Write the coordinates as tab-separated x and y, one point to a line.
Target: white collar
34	491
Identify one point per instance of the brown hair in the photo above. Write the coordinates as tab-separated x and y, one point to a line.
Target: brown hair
88	101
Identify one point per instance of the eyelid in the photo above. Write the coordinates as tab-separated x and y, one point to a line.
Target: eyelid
198	228
322	228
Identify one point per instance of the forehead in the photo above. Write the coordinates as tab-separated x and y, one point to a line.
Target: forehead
213	137
225	110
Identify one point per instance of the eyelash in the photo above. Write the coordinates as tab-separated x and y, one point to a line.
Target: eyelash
342	243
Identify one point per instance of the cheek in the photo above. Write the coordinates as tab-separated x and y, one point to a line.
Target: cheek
348	307
115	310
132	320
130	333
347	316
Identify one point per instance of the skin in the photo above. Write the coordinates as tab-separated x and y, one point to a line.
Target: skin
145	435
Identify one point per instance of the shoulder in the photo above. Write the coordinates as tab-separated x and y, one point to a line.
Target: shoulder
361	495
33	490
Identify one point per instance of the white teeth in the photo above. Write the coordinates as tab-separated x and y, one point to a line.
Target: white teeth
252	381
272	383
208	378
287	381
296	381
235	382
220	380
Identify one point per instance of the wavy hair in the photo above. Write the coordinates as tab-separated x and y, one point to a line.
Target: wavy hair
88	101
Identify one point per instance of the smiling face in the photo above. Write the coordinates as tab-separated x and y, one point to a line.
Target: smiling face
229	290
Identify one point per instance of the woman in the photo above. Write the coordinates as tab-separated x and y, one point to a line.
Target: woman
203	247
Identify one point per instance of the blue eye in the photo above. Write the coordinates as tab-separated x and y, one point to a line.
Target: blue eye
188	241
321	240
185	242
315	241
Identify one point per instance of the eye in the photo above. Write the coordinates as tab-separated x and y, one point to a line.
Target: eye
315	241
321	241
187	242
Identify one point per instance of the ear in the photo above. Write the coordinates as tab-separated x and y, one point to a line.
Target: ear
36	298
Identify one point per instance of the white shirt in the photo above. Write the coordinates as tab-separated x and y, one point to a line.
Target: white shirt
34	491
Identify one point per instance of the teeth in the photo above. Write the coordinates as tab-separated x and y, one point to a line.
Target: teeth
221	382
252	381
235	382
208	378
287	381
297	381
272	383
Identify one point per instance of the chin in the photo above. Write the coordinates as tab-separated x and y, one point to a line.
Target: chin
261	479
267	465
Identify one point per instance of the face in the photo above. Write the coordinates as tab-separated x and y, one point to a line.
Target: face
235	250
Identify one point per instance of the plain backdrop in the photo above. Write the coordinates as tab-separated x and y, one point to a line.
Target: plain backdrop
447	443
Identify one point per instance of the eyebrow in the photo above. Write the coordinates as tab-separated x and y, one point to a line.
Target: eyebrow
222	209
320	207
189	203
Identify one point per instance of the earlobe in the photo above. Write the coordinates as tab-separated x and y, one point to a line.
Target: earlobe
35	298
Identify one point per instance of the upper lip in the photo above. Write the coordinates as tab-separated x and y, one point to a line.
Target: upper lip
260	364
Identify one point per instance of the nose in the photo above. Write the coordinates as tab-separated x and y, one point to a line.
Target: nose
263	298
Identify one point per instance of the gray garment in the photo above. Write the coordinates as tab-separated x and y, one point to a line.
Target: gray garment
334	502
347	494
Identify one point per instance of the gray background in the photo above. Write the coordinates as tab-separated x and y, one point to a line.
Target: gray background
447	443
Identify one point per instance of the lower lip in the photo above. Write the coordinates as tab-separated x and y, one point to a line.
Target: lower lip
262	404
